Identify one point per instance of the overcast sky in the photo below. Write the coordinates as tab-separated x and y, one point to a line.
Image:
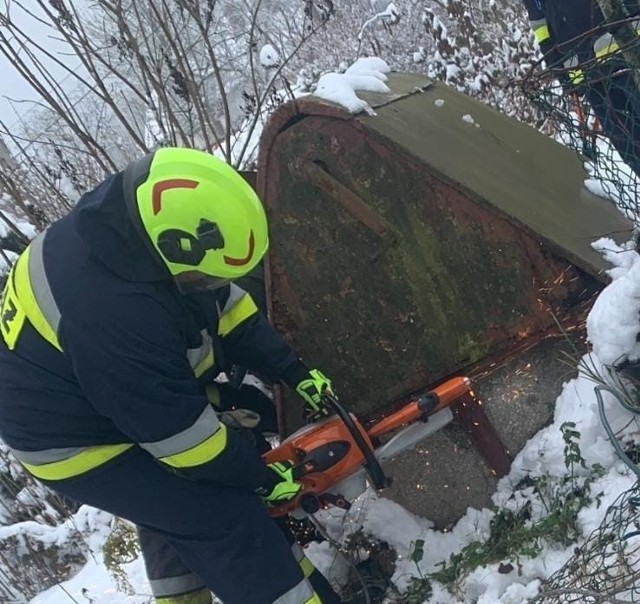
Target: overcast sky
12	85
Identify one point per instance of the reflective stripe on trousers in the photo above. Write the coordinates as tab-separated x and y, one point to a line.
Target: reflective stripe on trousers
170	580
606	44
202	596
576	75
173	583
302	593
540	30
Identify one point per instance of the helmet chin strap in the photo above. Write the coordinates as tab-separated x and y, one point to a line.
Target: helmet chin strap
193	282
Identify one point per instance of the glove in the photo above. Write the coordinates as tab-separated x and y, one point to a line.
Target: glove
311	389
240	418
281	487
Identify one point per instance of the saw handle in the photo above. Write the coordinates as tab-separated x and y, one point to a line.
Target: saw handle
371	465
420	409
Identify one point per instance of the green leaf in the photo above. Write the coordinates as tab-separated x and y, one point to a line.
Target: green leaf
417	550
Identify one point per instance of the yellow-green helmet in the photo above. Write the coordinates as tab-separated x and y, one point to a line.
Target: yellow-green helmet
198	213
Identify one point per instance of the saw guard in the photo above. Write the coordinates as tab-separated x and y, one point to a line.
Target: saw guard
301	447
328	453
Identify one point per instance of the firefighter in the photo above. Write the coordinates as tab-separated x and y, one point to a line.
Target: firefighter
115	320
588	61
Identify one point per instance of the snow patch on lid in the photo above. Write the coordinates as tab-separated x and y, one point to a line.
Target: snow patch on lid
367	73
468	118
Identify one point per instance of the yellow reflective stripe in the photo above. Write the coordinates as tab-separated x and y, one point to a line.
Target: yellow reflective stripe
202	596
204	452
576	76
213	394
606	44
24	293
239	312
607	50
204	364
314	599
542	33
307	567
80	463
12	315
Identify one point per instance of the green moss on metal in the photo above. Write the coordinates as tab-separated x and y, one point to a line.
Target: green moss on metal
460	281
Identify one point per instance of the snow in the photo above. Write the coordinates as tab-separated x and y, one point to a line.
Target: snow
613	320
419	55
439	102
468	118
390	14
269	56
596	187
368	74
94	582
4	267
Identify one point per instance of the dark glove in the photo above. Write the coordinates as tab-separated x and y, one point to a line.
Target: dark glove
281	487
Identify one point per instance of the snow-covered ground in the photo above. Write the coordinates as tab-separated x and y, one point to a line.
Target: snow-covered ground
612	329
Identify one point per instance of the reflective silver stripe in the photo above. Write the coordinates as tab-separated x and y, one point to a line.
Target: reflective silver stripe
175	586
196	355
572	61
38	458
300	594
537	23
602	43
606	42
205	426
297	552
40	284
236	294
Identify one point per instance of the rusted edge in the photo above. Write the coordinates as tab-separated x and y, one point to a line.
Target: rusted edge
280	120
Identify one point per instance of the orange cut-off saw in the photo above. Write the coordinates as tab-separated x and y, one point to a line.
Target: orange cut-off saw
333	458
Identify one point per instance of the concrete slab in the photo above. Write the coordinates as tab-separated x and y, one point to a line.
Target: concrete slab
445	475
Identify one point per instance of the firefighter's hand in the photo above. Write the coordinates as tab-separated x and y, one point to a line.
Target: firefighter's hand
311	390
281	487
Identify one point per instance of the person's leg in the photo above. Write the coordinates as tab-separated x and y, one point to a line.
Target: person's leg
222	535
318	581
613	96
170	580
250	397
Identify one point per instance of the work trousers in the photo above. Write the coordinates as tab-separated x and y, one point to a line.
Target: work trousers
224	537
173	583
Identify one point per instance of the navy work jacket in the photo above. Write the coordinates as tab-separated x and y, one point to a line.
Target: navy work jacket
122	375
